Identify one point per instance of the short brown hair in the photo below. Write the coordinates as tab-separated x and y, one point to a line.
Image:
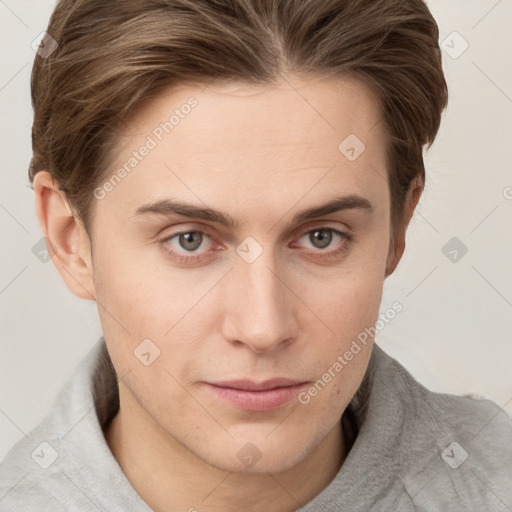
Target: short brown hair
113	55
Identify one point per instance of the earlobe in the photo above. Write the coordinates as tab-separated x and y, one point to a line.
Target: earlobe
66	239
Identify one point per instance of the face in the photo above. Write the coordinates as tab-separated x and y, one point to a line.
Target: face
258	290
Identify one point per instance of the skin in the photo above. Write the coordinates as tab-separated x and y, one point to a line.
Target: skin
261	154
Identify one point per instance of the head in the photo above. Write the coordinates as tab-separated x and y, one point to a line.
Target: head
255	112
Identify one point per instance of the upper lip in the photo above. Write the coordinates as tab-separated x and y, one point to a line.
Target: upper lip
250	385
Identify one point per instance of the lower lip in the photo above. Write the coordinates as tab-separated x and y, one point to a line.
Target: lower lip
263	400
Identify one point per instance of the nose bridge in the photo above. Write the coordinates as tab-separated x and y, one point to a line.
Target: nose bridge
259	312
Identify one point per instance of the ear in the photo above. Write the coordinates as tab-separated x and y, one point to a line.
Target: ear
67	240
396	252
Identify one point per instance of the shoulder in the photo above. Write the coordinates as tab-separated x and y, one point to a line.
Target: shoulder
36	474
454	449
44	469
440	413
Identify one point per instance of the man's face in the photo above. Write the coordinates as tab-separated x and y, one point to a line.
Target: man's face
269	297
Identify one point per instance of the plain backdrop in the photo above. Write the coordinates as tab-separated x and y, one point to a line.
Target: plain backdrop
455	331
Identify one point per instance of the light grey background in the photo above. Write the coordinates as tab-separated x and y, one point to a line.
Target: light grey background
455	332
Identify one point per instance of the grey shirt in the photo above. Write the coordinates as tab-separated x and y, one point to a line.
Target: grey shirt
413	450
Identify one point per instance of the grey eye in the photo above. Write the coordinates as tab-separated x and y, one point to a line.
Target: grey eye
322	236
190	241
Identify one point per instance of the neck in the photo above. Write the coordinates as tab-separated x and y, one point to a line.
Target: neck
163	471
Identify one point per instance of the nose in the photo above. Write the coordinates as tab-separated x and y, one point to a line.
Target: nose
259	307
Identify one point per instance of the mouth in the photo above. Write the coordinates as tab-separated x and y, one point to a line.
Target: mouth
253	396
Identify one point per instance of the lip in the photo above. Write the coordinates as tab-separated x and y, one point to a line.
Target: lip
249	385
254	396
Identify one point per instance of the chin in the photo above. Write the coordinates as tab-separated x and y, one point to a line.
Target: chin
256	457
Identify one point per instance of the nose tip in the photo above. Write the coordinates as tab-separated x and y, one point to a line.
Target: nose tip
264	345
260	313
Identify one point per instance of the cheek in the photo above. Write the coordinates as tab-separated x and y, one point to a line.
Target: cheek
342	352
340	357
140	301
349	299
346	308
129	286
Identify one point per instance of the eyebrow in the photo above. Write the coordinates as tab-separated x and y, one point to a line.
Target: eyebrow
171	206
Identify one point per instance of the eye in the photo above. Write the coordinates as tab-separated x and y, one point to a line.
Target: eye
323	237
190	241
186	242
195	245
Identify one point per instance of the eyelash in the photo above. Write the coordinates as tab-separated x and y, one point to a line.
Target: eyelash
322	255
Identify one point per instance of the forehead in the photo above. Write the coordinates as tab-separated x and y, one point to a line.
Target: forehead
271	142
